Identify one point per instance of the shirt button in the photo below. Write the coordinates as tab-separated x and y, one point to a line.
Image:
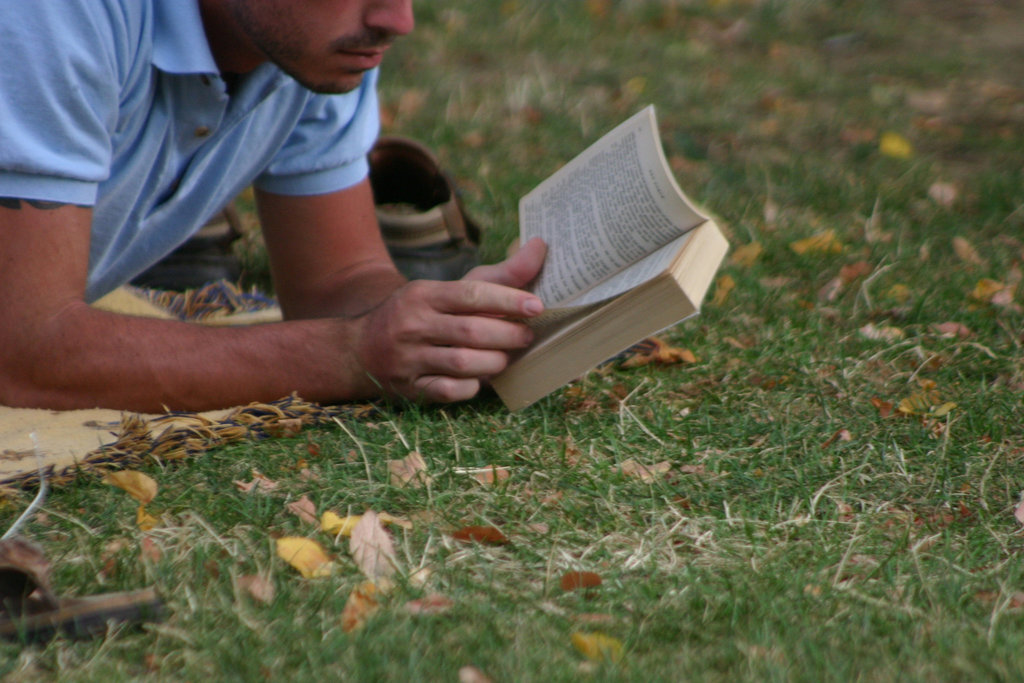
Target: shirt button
202	131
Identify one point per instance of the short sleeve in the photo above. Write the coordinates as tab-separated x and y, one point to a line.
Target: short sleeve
59	105
327	150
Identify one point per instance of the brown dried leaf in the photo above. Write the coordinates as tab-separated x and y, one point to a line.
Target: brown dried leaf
645	473
852	271
471	674
261	588
139	486
886	333
435	603
966	252
480	534
409	471
304	509
884	407
372	549
492	474
259	484
952	329
571	581
943	194
361	604
655	351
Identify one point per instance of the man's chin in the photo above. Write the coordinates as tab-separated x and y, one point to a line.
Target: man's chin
335	86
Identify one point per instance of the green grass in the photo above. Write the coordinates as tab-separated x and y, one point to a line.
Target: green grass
792	553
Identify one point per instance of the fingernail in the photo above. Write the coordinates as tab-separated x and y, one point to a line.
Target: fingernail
533	307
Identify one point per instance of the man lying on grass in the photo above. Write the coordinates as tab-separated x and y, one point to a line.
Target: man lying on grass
126	124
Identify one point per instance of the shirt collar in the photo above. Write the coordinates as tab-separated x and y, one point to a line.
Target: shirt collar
179	41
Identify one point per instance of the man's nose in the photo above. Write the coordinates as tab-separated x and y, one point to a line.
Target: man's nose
394	17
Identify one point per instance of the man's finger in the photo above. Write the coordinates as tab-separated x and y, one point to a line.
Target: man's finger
478	297
518	270
441	389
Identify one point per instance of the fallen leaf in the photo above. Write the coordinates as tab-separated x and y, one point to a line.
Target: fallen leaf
334	525
409	471
645	473
284	428
986	288
822	243
471	674
144	520
371	548
884	407
747	255
852	271
304	509
655	351
952	329
435	603
839	435
261	588
966	252
571	581
480	534
305	555
361	604
943	194
597	646
895	145
487	476
259	483
149	550
723	287
886	333
831	290
139	486
1019	512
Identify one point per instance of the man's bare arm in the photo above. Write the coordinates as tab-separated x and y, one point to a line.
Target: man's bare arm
428	340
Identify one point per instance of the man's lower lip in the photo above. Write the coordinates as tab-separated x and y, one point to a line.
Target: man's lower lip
363	60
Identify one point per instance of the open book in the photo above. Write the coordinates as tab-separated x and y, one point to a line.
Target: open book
628	256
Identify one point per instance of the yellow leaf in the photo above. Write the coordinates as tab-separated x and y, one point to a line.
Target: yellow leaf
822	243
895	145
410	471
139	486
597	646
747	254
986	289
144	520
723	286
361	604
334	525
305	555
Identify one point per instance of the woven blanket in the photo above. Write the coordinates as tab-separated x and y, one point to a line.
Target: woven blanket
59	444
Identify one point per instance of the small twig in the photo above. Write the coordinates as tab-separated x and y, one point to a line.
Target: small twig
40	496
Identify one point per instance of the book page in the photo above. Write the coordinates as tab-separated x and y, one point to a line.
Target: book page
608	208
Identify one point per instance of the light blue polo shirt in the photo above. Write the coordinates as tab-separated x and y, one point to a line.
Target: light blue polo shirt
118	105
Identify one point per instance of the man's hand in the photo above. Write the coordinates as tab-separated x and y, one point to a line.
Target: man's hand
436	341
